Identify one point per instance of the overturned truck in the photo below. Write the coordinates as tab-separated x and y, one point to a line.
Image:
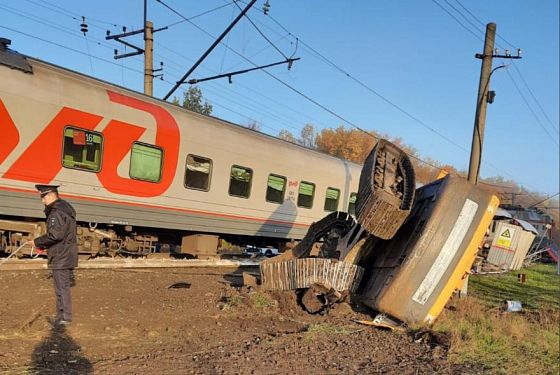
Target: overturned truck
405	254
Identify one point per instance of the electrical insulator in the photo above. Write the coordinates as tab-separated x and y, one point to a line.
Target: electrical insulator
84	26
266	7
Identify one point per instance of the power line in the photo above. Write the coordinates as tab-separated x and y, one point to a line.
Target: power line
458	21
483	24
279	80
531	109
68	48
555	127
201	14
361	83
75	34
519	91
262	34
60	10
335	66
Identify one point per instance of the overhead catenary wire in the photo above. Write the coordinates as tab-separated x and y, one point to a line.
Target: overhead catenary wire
66	30
285	83
68	48
201	14
262	34
343	120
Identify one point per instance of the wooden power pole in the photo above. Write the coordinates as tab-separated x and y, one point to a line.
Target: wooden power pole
481	103
483	99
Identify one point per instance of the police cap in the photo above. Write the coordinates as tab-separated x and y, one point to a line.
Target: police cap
45	189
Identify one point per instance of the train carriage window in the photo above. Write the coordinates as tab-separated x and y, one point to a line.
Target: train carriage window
275	189
240	181
331	199
306	194
198	173
145	162
352	204
82	149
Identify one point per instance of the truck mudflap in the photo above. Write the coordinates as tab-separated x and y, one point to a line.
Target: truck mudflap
386	190
412	276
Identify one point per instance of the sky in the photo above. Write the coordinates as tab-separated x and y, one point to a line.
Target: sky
403	68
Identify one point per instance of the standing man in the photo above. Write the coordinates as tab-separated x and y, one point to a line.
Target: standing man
62	248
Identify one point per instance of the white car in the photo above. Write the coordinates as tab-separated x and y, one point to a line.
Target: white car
260	251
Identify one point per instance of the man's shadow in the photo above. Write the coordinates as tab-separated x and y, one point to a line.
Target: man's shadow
59	354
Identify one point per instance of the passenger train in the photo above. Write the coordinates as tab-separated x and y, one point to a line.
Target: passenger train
142	170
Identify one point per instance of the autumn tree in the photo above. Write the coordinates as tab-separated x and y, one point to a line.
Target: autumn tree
349	144
287	136
192	100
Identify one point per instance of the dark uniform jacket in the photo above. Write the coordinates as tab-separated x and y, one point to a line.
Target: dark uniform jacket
60	240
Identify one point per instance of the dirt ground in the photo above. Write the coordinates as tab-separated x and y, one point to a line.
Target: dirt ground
130	322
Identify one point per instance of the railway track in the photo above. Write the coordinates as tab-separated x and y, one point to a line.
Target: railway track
116	263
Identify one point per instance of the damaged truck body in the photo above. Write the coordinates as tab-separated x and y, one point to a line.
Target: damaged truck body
405	254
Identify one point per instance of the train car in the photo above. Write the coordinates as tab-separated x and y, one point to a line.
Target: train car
138	169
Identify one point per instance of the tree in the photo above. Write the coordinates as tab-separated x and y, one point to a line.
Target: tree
349	144
192	100
307	136
287	136
254	125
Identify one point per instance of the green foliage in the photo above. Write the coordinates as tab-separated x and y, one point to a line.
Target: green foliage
541	289
192	100
525	342
261	301
232	302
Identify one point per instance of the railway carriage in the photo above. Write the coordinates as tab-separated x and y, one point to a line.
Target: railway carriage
137	168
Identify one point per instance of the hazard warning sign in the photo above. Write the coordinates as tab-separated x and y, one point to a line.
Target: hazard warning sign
504	239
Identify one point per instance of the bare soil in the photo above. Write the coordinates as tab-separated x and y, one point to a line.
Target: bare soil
130	322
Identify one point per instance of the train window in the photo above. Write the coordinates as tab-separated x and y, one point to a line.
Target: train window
146	162
198	173
275	189
82	149
240	181
305	194
352	204
331	199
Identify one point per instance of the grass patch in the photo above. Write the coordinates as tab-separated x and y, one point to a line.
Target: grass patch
232	302
524	343
541	290
260	300
315	330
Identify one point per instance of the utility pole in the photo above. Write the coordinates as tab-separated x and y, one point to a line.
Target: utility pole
483	98
148	51
481	103
148	58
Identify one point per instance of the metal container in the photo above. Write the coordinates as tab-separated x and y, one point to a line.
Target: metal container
412	276
509	246
513	306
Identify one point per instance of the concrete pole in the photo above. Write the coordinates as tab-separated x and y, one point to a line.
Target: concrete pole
481	103
148	58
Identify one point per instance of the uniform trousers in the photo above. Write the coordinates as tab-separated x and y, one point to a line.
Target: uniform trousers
62	283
